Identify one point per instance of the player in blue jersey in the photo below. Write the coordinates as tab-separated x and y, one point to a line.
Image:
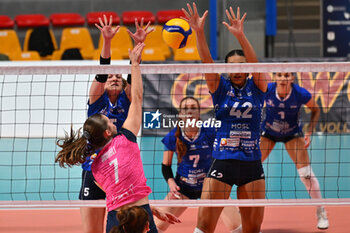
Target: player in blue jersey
282	124
238	102
193	147
108	95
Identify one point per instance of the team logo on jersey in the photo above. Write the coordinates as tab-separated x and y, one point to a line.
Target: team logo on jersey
230	93
151	120
103	111
270	103
281	105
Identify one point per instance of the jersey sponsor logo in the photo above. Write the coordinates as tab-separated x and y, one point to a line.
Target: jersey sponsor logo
230	142
223	142
240	126
240	134
193	147
281	105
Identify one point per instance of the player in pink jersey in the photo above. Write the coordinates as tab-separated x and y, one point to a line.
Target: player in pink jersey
117	169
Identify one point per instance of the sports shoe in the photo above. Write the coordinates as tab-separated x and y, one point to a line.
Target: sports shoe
322	220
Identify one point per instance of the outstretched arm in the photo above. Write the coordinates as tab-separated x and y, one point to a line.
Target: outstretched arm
235	26
133	120
105	27
197	24
139	37
315	113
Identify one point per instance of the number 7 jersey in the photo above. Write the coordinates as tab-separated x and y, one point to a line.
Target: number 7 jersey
239	110
118	170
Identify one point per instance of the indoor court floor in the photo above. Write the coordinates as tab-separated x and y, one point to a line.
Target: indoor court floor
277	220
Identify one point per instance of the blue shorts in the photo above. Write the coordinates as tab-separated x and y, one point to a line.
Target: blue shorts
89	190
113	221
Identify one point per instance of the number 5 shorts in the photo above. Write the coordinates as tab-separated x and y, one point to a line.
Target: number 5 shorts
89	190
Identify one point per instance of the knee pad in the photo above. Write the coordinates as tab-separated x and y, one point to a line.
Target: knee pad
306	172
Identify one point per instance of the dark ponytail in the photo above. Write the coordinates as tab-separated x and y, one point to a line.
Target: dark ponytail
76	146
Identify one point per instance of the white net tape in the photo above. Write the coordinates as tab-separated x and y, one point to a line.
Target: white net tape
30	80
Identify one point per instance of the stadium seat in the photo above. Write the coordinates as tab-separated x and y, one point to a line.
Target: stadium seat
67	19
120	41
31	20
189	52
77	38
92	17
27	37
6	22
153	54
56	55
155	40
26	56
165	15
129	17
9	43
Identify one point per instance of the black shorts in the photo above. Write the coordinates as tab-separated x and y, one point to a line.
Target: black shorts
283	139
89	190
187	190
236	172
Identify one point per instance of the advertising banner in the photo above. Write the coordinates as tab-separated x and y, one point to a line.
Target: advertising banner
163	93
336	28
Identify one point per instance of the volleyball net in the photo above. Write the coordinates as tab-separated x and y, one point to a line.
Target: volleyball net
39	102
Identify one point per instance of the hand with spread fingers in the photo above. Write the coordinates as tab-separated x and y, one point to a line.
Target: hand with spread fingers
235	25
194	20
141	32
106	28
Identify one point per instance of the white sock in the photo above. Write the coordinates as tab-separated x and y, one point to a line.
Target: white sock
237	230
198	230
310	181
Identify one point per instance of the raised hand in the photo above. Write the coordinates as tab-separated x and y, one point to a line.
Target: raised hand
193	19
106	28
135	54
235	25
141	32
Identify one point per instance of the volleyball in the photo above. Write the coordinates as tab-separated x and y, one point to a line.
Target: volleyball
176	32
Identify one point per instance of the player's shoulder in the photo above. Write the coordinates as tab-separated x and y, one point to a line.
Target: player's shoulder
300	90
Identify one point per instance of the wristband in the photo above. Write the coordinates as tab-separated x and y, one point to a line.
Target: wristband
102	78
167	172
105	61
